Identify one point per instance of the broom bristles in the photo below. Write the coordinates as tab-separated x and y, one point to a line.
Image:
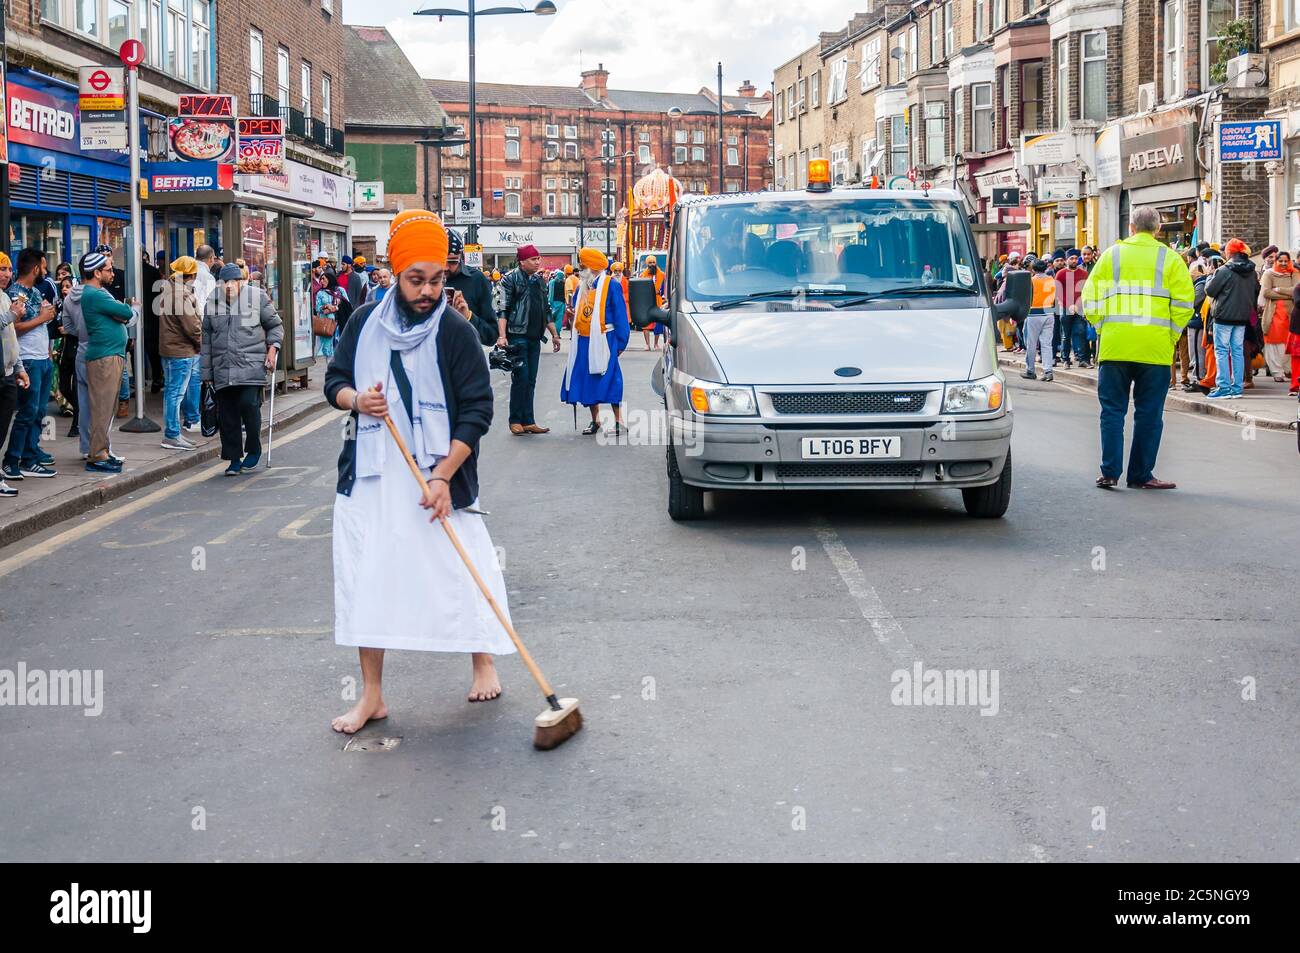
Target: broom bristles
552	731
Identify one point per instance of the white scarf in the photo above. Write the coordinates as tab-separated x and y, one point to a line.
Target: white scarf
597	343
430	423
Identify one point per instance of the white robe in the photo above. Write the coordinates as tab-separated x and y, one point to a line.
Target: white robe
398	582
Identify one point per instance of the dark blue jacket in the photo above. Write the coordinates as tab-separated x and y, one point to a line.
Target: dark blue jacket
465	380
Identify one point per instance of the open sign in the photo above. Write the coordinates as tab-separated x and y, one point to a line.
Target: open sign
252	127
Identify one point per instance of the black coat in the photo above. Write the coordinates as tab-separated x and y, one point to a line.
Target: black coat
1235	289
465	382
476	288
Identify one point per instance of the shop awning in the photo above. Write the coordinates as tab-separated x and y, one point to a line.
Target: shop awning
1000	227
217	197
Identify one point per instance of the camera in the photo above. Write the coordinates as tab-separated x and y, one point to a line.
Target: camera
503	358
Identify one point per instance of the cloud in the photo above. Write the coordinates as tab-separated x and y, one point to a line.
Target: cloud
670	45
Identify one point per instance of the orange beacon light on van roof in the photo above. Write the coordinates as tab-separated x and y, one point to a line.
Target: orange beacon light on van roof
819	175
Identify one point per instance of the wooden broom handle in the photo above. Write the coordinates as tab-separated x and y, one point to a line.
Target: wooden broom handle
464	556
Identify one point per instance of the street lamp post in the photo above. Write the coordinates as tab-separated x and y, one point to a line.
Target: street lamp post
676	112
544	8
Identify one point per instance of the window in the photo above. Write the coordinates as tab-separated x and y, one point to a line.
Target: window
949	35
868	153
306	89
643	153
1215	15
570	150
839	164
936	37
326	100
551	150
550	184
913	48
898	152
550	203
733	155
680	136
564	203
1092	76
570	132
575	204
999	13
838	88
457	151
512	150
607	206
935	152
552	131
608	135
151	33
981	19
958	120
200	34
512	203
1290	14
697	136
447	182
1004	106
1172	58
816	85
789	102
981	101
679	154
803	95
732	139
1062	81
869	71
460	181
697	153
1031	97
255	62
643	137
512	182
733	186
512	132
282	74
898	58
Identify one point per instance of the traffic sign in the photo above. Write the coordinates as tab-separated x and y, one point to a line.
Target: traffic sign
101	98
131	53
469	212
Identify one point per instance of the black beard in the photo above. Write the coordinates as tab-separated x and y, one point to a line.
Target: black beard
411	314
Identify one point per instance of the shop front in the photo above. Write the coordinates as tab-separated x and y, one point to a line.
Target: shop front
59	195
1002	228
1159	170
558	244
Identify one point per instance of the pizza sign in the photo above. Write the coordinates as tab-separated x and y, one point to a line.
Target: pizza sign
261	146
206	106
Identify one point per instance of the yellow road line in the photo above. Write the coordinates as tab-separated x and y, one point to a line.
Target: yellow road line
44	548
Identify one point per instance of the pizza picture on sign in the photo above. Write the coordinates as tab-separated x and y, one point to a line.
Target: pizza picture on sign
199	140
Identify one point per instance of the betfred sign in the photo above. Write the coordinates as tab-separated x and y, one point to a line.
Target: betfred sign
188	176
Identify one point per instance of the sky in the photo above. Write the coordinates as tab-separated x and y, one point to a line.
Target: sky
664	45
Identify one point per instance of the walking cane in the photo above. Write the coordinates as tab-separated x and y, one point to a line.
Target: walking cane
270	426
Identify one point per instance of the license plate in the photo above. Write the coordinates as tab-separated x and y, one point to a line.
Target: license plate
851	448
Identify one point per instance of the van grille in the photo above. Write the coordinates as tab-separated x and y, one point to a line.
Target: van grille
848	469
848	402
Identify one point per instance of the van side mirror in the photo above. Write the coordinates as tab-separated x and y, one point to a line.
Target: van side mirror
1019	296
643	305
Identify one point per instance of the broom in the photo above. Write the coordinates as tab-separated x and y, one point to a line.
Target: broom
562	719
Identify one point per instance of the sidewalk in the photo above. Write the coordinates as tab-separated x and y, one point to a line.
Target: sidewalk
42	503
1267	404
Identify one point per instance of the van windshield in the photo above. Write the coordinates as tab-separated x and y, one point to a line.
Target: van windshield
854	245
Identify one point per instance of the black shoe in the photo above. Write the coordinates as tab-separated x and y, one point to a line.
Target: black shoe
103	466
592	428
10	473
40	471
1029	376
233	469
74	431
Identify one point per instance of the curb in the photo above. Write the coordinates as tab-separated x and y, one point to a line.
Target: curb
81	499
1173	401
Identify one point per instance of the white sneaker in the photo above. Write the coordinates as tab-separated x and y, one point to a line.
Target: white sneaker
191	428
6	489
177	443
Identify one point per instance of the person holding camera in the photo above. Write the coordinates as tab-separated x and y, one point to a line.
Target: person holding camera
525	319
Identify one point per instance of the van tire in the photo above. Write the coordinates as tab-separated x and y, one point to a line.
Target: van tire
685	502
990	502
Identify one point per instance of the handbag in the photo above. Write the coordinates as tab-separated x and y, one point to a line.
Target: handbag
322	326
209	410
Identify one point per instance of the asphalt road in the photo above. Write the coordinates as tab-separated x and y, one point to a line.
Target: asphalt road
735	674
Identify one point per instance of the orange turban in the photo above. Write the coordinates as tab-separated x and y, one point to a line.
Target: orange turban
416	235
592	258
1236	245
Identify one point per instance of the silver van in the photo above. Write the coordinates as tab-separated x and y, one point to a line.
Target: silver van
831	339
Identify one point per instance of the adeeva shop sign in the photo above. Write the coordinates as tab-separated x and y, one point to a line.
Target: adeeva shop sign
1158	156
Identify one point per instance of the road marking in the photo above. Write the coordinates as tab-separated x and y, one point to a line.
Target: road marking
887	629
301	630
294	530
54	543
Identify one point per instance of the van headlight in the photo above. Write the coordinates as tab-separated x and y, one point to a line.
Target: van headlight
973	397
725	400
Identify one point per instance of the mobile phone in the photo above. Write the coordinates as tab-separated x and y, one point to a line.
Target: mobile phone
451	294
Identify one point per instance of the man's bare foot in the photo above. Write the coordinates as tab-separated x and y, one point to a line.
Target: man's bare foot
360	713
486	685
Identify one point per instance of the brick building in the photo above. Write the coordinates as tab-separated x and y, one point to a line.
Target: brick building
556	162
390	110
1088	107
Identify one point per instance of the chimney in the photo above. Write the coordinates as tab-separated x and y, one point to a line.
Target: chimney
596	81
747	89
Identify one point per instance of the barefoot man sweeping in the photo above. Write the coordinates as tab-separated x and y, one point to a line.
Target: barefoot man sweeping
398	582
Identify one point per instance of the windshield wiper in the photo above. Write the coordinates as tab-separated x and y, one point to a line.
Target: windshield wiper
908	291
781	293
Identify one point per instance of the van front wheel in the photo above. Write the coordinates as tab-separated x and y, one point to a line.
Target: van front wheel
990	502
685	502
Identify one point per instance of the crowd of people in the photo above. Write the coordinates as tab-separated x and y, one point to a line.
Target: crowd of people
1245	317
68	338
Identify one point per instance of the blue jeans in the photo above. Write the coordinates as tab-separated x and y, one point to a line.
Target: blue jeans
1072	336
178	372
25	438
1149	384
1229	357
523	381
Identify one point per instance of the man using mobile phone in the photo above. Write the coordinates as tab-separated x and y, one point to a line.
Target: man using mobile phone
470	292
